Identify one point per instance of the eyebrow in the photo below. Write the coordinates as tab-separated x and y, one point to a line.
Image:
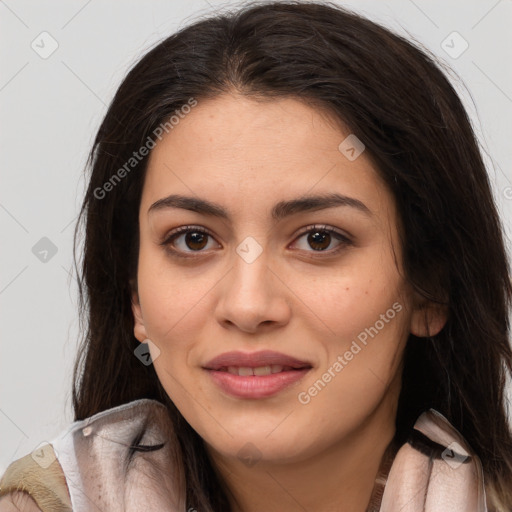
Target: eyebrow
280	210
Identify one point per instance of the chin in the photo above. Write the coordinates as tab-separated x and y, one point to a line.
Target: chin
256	445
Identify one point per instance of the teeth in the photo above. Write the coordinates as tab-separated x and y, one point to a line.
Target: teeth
262	370
245	371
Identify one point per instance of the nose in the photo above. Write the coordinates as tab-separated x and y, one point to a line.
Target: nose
253	297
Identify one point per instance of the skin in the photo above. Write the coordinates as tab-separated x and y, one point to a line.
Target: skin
247	155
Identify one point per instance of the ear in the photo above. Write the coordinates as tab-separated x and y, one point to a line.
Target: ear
139	330
428	318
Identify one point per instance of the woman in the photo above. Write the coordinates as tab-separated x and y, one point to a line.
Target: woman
289	217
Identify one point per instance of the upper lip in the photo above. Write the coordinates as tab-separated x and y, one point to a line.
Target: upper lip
254	360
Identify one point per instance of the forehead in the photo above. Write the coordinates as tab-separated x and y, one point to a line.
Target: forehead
252	154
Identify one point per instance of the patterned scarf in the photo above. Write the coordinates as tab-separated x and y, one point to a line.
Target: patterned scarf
126	460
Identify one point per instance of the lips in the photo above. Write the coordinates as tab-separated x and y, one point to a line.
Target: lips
265	361
255	375
245	371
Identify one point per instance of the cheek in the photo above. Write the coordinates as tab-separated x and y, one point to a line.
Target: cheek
353	297
171	298
364	311
362	370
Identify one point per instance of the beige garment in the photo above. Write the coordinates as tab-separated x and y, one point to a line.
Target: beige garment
125	460
29	486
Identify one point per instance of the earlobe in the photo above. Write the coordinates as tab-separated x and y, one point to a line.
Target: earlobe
428	319
139	330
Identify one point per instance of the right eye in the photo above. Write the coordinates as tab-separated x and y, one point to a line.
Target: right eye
187	240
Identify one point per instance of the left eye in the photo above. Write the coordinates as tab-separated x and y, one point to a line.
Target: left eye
319	239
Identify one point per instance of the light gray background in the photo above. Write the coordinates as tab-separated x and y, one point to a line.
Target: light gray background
50	109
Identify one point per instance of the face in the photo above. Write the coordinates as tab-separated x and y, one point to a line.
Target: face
280	281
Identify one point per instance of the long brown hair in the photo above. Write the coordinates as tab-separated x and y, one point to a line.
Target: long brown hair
393	97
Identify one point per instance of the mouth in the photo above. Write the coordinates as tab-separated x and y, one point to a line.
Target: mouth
246	371
255	375
266	361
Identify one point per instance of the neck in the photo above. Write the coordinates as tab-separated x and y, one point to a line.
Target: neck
340	478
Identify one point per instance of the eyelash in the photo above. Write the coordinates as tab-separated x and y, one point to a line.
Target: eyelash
344	240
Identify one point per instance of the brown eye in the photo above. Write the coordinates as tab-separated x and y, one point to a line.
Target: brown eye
196	240
319	240
187	240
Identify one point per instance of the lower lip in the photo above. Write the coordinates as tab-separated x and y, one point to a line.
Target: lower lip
256	386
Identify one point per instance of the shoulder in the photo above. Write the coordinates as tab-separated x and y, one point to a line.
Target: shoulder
18	501
436	465
93	460
36	482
